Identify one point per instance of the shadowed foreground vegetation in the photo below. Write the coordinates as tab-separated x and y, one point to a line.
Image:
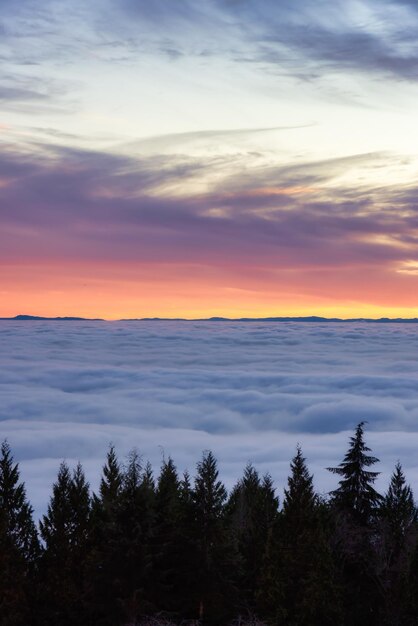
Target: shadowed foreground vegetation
174	550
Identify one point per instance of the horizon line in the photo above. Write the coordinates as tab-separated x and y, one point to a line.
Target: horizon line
270	318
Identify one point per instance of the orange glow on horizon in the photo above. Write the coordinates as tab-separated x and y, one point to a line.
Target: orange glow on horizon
158	290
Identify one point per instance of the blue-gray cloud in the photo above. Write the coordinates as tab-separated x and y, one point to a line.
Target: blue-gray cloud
307	39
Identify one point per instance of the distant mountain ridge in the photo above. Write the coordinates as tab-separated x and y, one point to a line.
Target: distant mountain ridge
29	318
312	318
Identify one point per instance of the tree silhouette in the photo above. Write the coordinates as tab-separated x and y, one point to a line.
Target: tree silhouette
143	552
65	532
310	592
214	550
397	542
19	545
253	510
355	503
356	493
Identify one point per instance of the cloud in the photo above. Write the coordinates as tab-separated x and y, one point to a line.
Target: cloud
89	205
249	391
306	41
28	94
178	141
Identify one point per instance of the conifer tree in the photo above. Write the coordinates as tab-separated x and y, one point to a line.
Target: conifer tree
213	590
111	481
167	553
398	508
80	502
101	567
253	511
300	498
355	504
65	532
55	526
18	544
356	494
131	552
186	491
398	540
188	542
269	506
309	594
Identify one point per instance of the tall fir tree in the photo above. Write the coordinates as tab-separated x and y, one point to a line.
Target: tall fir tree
253	510
103	606
398	510
355	504
130	543
188	541
65	532
166	542
213	591
356	494
19	546
299	496
397	543
309	589
111	480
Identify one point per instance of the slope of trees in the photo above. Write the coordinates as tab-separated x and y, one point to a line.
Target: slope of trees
171	549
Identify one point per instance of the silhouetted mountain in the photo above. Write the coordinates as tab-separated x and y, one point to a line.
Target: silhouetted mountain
308	319
30	318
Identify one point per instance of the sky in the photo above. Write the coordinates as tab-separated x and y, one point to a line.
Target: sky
222	157
248	391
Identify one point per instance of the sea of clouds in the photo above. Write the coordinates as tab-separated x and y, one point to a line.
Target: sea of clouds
248	391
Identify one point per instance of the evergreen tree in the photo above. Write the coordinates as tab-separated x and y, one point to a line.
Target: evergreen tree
398	508
253	511
130	550
398	516
55	526
167	553
300	498
100	567
356	494
213	591
188	542
186	490
80	502
111	481
355	504
305	564
65	532
18	544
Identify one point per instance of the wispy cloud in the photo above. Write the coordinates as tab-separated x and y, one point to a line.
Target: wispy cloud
309	39
91	204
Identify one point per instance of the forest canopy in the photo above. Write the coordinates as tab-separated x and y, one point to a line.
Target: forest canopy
171	549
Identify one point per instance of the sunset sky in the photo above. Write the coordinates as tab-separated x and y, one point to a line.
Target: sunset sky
222	157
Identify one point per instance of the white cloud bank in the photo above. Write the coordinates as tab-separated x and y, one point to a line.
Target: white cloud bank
248	391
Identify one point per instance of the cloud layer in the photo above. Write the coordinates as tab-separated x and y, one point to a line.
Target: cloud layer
249	391
283	234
